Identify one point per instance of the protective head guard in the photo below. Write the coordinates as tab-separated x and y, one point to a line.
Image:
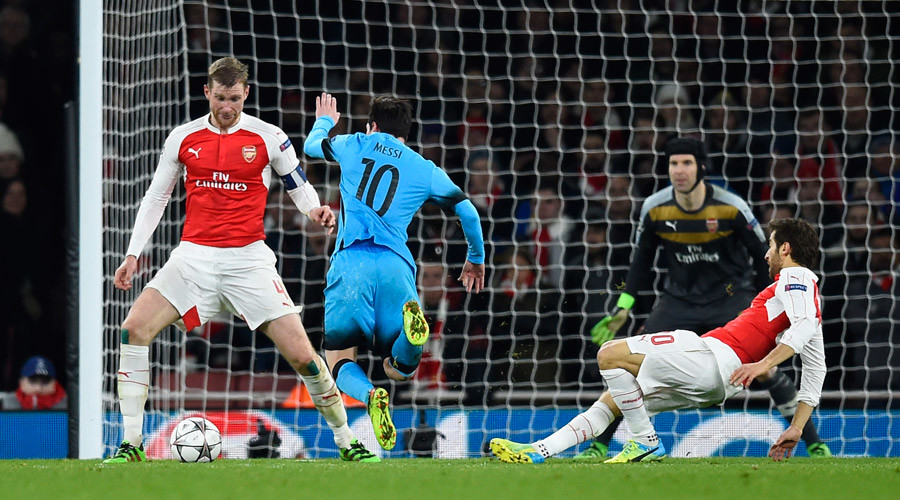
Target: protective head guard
689	146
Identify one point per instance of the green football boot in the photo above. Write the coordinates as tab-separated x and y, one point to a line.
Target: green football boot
414	324
637	452
515	453
380	413
595	450
357	452
127	453
819	450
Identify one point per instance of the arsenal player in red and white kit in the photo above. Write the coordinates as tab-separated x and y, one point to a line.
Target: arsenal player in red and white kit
227	160
652	373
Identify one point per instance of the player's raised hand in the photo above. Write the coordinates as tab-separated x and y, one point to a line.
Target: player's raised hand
747	373
785	444
125	273
323	216
326	105
472	276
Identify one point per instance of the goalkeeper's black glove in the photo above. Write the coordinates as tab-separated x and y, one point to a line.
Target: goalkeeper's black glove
606	328
265	444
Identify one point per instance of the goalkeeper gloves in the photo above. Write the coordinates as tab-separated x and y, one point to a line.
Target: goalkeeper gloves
606	328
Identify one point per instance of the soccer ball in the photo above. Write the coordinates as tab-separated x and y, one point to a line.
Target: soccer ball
196	439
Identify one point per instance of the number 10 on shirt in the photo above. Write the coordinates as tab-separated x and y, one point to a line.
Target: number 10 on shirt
372	188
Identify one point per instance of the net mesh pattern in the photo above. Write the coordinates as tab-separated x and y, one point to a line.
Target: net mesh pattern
552	116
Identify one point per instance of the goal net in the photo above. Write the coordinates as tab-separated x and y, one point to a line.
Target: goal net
552	116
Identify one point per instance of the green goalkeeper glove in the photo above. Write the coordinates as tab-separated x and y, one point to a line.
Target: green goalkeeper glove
606	328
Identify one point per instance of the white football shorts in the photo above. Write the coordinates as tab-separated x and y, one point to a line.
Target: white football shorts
682	370
200	281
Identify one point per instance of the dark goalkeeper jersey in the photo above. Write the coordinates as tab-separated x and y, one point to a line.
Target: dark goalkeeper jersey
707	252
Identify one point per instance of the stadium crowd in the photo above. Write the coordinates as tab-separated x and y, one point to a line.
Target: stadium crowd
37	66
554	119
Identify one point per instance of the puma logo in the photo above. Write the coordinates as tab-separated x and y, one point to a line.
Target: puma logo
196	152
671	224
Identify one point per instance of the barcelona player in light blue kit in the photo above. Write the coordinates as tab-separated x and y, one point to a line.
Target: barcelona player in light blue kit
370	298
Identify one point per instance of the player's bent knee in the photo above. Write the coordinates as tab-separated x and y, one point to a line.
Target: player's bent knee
303	362
609	356
134	333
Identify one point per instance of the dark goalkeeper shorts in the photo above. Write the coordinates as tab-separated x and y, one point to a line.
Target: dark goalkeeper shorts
670	313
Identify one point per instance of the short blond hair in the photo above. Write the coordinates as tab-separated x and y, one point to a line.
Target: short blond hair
227	71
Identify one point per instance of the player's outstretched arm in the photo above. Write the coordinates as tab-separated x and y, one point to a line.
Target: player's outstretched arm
323	216
327	116
638	279
784	445
472	277
125	273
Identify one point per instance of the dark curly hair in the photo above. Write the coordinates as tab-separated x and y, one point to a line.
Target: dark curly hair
803	239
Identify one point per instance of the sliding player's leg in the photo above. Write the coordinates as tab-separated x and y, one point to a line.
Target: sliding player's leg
619	367
664	371
666	315
583	427
599	447
150	313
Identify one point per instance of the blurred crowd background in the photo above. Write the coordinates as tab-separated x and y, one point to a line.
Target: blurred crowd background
37	76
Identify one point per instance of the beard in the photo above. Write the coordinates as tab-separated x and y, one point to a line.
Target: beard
775	264
223	122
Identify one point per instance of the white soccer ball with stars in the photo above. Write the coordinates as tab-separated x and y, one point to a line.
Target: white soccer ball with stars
196	439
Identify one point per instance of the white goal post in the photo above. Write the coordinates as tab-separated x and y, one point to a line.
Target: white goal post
90	268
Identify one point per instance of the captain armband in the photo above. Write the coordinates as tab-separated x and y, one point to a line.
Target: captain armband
294	179
301	192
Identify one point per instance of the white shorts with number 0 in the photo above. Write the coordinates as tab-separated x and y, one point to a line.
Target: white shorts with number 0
200	281
682	370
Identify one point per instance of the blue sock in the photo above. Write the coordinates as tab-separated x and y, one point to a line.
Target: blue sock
406	356
352	380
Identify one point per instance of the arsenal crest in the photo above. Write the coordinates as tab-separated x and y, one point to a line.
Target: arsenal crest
712	225
249	153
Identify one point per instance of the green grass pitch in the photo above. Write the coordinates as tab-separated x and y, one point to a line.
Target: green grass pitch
426	479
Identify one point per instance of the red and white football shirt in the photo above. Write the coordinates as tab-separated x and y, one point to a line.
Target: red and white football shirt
226	176
785	312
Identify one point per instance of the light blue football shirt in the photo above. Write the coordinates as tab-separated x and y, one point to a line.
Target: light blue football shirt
383	185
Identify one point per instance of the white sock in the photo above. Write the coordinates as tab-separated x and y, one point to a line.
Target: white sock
133	382
325	395
627	394
583	427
